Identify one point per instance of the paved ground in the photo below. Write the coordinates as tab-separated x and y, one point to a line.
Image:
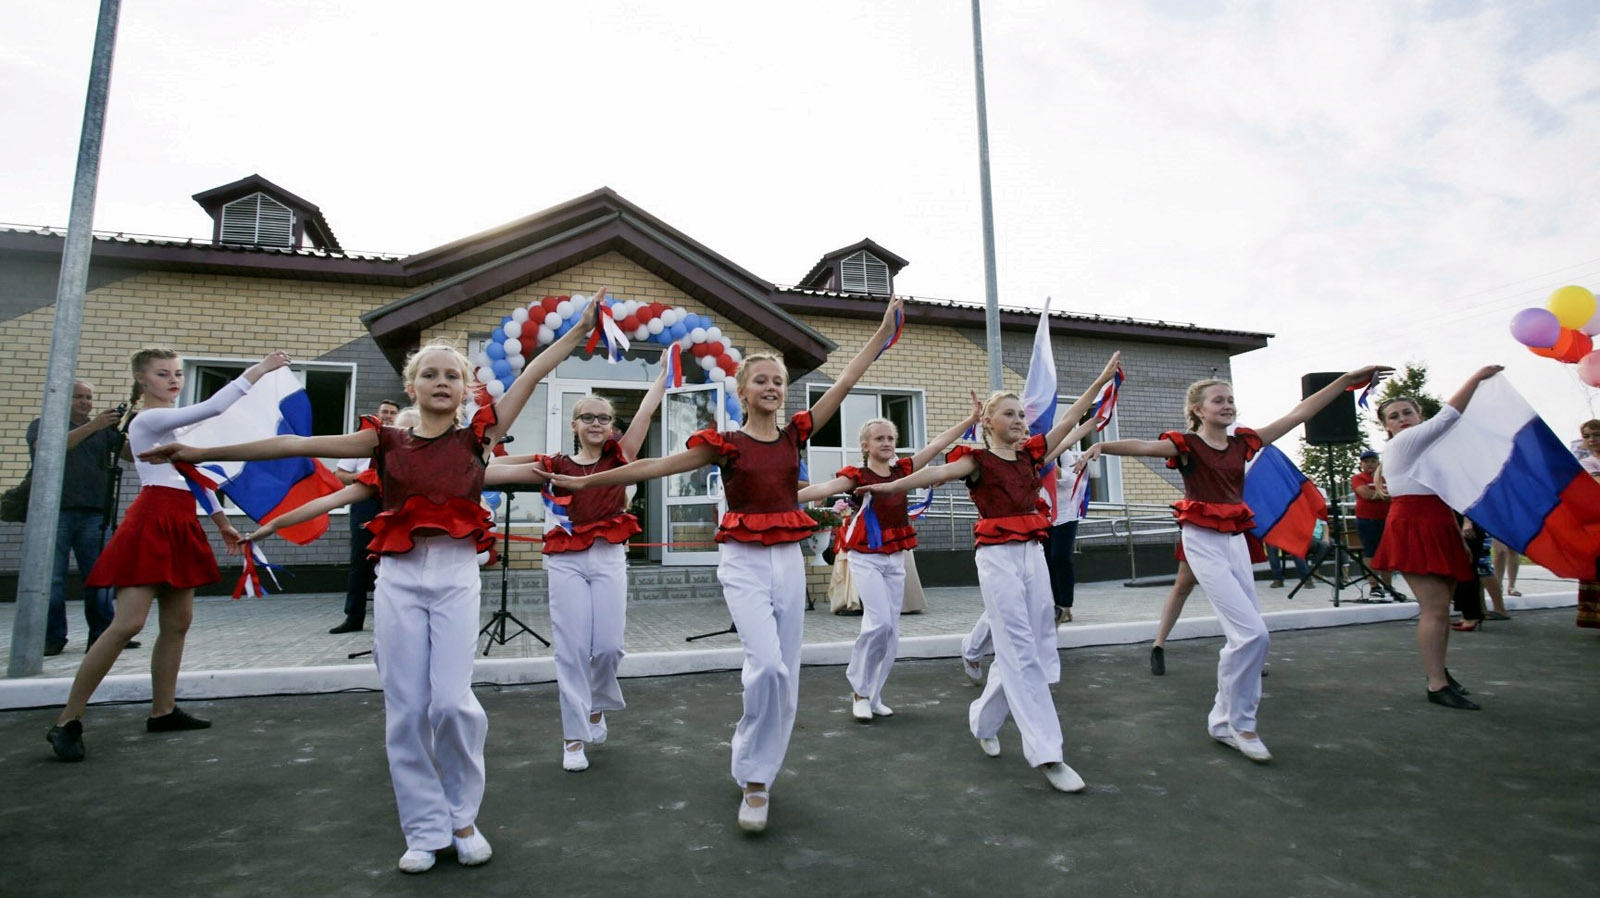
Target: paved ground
1374	791
291	630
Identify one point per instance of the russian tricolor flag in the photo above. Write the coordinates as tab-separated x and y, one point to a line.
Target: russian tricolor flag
1286	504
1039	398
275	405
1503	467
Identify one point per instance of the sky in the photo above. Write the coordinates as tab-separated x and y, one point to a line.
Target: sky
1371	182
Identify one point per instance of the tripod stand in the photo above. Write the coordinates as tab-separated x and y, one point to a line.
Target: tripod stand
495	629
1343	559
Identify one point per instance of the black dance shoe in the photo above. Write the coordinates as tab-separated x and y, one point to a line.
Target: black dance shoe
174	722
1450	683
66	740
1158	661
350	625
1451	699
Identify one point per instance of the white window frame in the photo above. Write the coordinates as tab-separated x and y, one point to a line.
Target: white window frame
918	437
1109	465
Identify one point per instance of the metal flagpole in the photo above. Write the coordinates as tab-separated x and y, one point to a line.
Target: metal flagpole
50	450
991	315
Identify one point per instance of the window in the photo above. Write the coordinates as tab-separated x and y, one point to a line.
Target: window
862	272
329	385
258	219
1105	472
838	442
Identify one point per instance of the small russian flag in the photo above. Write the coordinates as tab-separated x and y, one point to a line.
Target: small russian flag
866	516
255	561
674	362
1105	404
899	328
555	510
921	508
1366	391
606	329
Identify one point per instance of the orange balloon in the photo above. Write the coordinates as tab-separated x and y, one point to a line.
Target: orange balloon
1547	352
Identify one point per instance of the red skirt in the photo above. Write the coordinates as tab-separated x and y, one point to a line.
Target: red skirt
1422	537
159	542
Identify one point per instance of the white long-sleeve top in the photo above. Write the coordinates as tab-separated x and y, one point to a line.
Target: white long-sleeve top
1066	509
1405	447
157	426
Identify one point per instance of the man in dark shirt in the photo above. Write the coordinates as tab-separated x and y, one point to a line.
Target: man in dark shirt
90	441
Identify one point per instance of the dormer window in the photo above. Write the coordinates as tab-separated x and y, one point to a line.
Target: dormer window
864	273
258	220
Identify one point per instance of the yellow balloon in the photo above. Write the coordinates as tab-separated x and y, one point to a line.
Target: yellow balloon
1572	306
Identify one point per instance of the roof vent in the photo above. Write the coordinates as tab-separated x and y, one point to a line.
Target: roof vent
257	220
863	273
253	211
863	268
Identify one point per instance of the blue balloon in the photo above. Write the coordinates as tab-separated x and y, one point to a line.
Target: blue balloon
493	498
679	331
501	368
565	326
506	320
498	335
507	380
495	350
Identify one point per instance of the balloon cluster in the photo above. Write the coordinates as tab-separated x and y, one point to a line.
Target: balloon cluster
1563	330
543	321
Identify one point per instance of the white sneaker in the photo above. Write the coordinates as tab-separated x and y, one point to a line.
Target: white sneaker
1253	748
861	709
991	747
416	860
882	710
574	761
598	731
474	849
973	670
754	819
1063	778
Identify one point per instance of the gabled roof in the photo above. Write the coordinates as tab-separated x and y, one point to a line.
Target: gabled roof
308	218
814	276
492	263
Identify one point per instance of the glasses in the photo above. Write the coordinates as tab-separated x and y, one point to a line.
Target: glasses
595	419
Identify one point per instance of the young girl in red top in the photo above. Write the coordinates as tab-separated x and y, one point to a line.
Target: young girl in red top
1003	481
429	480
878	572
588	570
762	575
160	554
1214	520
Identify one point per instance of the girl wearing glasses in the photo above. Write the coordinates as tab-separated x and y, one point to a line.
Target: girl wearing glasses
587	569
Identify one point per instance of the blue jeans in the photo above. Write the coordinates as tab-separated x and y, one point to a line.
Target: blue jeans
1275	562
77	532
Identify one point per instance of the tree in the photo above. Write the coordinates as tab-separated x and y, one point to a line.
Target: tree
1411	382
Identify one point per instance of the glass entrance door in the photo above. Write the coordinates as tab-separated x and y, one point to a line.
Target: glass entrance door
691	502
625	397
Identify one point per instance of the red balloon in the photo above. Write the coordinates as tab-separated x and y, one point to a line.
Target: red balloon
699	350
630	324
644	314
1581	346
548	304
716	347
731	368
725	362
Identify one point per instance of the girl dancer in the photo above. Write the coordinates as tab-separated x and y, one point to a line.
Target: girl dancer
1214	520
425	607
1004	483
158	554
588	570
879	572
763	580
1421	539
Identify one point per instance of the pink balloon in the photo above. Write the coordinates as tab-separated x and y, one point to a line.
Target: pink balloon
1536	328
1589	369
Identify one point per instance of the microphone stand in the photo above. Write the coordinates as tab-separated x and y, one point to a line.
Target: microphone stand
495	629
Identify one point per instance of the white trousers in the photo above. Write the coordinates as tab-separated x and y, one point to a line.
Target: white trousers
765	588
880	580
425	632
1015	582
588	612
1221	565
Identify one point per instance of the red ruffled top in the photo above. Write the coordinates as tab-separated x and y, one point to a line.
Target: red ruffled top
1213	480
1006	493
760	479
888	508
597	513
430	486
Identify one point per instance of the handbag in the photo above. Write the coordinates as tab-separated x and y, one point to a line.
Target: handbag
14	501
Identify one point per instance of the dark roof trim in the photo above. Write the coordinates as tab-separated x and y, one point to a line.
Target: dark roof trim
961	315
172	255
311	219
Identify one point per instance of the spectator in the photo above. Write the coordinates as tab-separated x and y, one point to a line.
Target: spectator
363	570
1589	590
81	529
1372	509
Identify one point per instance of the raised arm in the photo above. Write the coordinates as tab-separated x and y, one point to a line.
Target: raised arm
929	476
639	430
1464	395
1318	401
1073	438
509	405
348	445
818	491
823	410
943	440
321	505
500	474
641	470
1075	412
1142	448
155	420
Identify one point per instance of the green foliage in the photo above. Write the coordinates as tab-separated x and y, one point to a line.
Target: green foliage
1345	461
1411	381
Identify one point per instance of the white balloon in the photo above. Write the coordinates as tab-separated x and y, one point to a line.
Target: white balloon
655	325
733	354
577	299
678	314
485	374
519	315
495	388
713	334
716	374
483	360
513	329
706	362
640	333
552	320
565	307
516	362
546	336
698	335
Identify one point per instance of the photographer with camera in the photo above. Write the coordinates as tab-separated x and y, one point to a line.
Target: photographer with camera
91	443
